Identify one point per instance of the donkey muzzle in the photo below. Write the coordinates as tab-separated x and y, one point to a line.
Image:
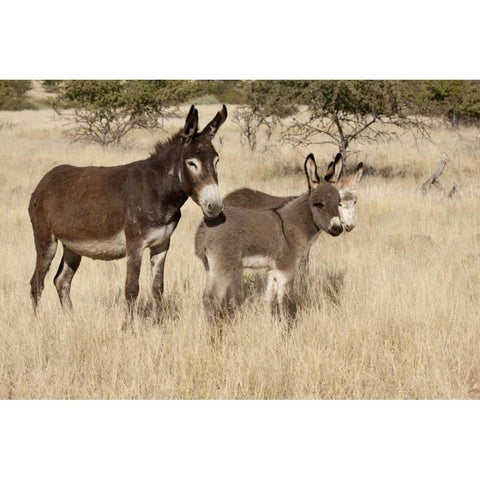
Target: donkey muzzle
210	201
212	210
335	228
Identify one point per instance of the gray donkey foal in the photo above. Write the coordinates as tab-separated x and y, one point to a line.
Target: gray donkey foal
346	184
248	198
276	239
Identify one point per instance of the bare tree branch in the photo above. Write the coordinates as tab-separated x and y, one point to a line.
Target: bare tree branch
434	178
346	112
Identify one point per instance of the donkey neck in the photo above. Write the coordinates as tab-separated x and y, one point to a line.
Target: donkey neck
298	219
166	164
166	159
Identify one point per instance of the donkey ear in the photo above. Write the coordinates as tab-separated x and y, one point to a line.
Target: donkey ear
354	178
311	172
211	129
191	123
330	173
357	175
335	168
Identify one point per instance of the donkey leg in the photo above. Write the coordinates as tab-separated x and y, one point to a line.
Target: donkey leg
215	304
235	294
239	290
271	292
63	279
215	293
46	249
303	272
134	263
157	263
284	298
303	266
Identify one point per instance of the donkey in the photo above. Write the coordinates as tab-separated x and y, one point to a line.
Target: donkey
248	198
108	213
276	239
347	186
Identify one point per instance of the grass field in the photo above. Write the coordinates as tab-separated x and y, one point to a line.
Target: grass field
391	310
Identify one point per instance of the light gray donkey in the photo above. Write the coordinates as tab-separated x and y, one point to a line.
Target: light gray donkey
276	239
347	187
346	184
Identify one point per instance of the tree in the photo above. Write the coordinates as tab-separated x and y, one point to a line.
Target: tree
13	95
104	111
456	100
265	104
224	91
52	86
344	112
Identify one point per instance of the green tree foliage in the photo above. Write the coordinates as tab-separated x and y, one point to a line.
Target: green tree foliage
52	86
265	104
341	112
13	95
225	91
104	111
344	112
456	100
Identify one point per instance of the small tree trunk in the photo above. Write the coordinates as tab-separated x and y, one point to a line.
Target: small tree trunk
434	178
453	119
343	150
343	144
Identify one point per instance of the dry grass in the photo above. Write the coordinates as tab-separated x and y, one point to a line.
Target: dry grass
391	309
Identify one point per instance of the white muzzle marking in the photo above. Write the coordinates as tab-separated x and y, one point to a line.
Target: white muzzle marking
335	227
335	221
210	201
347	216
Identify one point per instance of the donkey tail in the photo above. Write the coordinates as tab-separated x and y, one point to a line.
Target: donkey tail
200	249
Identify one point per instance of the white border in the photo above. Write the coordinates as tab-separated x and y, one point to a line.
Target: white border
248	39
238	440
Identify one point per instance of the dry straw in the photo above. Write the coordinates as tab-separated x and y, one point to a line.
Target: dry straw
390	309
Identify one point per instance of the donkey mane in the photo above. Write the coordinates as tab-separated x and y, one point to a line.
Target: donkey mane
286	202
162	145
161	156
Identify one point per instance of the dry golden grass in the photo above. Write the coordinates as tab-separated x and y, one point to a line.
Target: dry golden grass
391	309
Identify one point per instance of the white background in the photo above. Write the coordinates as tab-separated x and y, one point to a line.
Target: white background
239	40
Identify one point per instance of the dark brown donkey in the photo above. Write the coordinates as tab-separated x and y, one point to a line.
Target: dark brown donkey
107	213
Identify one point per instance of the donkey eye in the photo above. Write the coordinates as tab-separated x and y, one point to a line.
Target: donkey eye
320	204
192	165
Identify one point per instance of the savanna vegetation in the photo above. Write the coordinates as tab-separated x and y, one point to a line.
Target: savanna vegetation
13	95
389	310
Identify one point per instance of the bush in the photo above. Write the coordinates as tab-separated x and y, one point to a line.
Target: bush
106	110
13	95
456	100
265	103
52	86
348	112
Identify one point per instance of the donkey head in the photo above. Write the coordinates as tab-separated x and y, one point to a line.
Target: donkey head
347	188
324	200
198	172
348	194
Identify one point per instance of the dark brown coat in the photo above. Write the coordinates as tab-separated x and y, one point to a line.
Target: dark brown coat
112	212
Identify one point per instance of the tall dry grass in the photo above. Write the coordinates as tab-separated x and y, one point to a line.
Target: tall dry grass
391	309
